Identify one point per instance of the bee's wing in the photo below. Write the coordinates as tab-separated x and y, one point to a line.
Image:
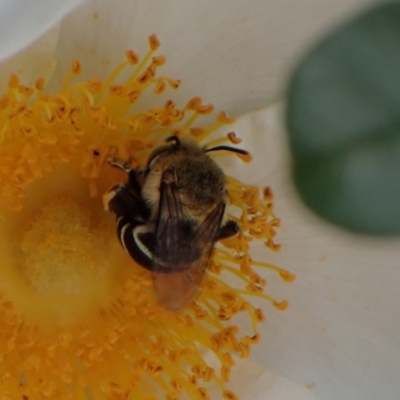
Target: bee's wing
171	224
206	236
181	253
175	289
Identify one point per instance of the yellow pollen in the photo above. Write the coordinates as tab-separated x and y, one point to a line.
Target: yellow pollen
287	275
39	84
154	42
173	83
132	57
228	395
62	254
233	138
13	82
159	60
79	319
222	117
197	131
76	67
160	87
195	105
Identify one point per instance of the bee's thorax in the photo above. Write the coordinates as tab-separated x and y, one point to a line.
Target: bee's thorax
199	180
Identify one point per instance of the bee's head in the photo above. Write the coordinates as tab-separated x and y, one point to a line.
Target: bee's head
175	144
200	181
164	149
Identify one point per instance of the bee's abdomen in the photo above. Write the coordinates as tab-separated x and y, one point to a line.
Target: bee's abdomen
131	235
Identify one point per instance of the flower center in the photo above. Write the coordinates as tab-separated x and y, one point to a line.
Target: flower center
61	259
63	254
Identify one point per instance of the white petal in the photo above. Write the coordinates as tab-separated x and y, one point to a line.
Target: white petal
235	54
252	381
36	61
341	332
23	21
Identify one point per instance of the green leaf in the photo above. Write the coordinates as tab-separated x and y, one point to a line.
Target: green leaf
343	119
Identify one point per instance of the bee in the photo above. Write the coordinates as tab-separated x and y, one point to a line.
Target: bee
170	214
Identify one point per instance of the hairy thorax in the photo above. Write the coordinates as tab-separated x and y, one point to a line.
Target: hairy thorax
200	181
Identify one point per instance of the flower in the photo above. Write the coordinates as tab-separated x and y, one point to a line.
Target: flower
339	336
72	304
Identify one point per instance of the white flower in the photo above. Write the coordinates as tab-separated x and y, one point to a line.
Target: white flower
340	335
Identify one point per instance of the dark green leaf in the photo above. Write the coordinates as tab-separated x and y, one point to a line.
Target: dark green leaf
343	118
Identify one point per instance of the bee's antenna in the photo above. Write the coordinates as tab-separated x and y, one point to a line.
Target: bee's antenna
227	148
175	139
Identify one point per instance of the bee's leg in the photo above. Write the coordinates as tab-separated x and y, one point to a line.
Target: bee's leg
119	163
124	201
230	228
135	178
139	175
